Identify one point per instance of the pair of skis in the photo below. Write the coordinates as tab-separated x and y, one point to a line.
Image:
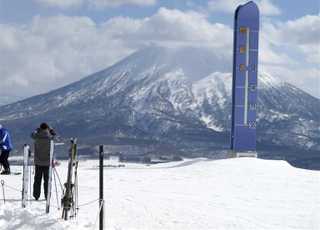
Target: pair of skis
70	197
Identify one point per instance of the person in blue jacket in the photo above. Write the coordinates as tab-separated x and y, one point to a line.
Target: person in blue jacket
5	147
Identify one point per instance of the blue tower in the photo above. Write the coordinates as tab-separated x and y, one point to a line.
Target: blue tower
244	85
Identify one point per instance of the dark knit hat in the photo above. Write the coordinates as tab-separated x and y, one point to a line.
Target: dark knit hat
44	126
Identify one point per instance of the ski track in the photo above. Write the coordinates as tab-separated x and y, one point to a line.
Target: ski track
194	194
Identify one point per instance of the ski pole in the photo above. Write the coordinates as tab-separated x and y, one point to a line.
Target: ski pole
57	176
4	197
55	184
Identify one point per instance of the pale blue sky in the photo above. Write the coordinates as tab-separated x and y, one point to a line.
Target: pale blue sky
38	36
17	11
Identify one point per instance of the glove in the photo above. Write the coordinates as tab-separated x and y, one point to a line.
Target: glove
55	163
52	132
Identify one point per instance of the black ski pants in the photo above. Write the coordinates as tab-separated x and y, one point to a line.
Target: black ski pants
4	160
40	171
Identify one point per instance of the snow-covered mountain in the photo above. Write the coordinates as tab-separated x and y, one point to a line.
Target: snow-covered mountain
179	97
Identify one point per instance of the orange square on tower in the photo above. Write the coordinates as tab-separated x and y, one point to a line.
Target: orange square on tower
242	49
243	29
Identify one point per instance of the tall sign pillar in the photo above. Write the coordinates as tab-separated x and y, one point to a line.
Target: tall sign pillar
244	84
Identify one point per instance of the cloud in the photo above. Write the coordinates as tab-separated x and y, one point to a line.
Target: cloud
270	54
172	26
64	4
266	7
50	52
300	35
304	33
291	51
115	3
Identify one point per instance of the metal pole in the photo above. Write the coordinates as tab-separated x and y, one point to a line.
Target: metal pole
101	201
4	196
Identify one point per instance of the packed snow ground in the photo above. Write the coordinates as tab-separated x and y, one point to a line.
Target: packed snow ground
196	194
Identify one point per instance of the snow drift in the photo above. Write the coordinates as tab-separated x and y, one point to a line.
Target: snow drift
193	194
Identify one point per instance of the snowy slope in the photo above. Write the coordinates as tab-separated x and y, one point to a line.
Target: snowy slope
194	194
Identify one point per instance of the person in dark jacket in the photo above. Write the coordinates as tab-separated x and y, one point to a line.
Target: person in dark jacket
42	137
5	147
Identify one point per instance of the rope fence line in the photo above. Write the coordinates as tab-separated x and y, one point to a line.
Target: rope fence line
88	203
18	190
12	188
33	200
19	200
58	177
